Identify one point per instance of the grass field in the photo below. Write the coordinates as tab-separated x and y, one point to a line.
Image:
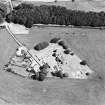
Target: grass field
84	5
89	44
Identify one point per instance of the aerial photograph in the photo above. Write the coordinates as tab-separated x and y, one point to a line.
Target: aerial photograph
52	52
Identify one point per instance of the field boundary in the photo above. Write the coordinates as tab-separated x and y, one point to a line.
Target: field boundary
64	26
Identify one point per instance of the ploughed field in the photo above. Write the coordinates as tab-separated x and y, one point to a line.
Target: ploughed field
88	44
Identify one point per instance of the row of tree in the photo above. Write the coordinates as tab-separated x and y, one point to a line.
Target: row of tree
27	15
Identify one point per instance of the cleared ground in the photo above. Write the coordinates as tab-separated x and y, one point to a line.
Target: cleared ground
89	44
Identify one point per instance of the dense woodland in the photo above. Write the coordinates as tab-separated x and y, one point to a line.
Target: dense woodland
3	12
27	14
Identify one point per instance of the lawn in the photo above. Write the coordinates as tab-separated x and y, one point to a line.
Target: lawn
88	44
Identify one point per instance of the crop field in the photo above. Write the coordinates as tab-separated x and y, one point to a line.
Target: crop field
88	44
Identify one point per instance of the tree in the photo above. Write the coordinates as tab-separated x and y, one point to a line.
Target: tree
28	15
67	51
42	76
3	9
1	18
41	46
55	1
83	62
54	40
73	0
29	23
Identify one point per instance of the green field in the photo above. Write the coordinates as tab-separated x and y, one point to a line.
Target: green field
88	44
84	5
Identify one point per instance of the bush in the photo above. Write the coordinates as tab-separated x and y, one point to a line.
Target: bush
61	43
44	68
73	0
67	51
9	69
87	74
3	9
41	76
65	75
57	74
83	62
65	47
54	40
54	54
60	74
53	74
72	53
41	46
6	65
34	77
